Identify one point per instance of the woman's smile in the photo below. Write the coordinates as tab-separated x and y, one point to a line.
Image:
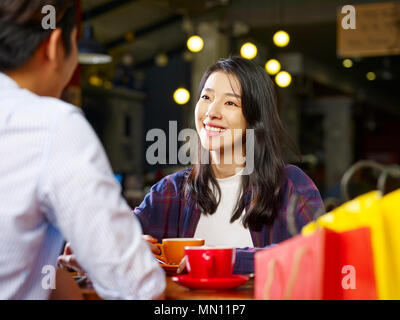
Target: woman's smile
213	130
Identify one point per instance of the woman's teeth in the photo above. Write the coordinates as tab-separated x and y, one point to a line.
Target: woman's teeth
208	128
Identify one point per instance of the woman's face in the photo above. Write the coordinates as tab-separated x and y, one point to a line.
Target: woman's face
219	118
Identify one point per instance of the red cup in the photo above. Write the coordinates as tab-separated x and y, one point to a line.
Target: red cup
209	262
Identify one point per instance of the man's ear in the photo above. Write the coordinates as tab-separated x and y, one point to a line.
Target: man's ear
54	48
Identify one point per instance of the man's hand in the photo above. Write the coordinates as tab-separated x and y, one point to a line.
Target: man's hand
150	240
68	259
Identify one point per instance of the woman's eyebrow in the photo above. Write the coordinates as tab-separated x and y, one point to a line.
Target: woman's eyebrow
230	94
233	95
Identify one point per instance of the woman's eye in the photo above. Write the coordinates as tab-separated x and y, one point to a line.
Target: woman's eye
204	96
230	103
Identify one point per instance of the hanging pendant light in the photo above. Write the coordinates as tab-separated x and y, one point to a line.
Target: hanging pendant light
90	50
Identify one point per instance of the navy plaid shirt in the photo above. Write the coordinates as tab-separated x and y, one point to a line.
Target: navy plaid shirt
166	213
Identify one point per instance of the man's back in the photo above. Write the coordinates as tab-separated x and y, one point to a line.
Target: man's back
26	122
55	179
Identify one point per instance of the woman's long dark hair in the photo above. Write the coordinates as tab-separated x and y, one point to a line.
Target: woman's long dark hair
265	183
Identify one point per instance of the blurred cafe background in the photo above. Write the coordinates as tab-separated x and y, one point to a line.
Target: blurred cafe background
338	88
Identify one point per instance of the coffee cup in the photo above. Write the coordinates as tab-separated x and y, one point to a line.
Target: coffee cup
210	262
173	249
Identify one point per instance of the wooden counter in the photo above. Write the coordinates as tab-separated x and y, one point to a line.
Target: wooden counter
175	291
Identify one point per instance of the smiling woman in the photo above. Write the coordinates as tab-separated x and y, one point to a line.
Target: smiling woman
216	200
241	96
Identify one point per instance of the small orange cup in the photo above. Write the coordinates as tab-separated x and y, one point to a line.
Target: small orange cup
173	249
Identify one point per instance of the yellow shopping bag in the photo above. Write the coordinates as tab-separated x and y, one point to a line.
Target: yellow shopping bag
390	209
363	211
381	215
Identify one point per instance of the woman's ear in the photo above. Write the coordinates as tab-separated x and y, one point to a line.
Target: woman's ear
54	50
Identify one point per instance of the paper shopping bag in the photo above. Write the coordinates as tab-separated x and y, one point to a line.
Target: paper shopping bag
364	211
390	210
323	265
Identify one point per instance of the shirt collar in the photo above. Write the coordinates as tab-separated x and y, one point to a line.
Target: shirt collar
7	82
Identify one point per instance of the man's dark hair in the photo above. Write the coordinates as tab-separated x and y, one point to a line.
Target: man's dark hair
21	30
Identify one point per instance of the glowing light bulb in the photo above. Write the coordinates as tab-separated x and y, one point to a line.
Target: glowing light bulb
95	81
347	63
281	38
371	76
195	44
283	79
272	66
248	50
107	84
181	96
161	60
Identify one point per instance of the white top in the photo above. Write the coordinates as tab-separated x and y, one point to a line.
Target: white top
56	183
216	229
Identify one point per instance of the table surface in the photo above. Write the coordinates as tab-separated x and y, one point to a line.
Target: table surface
175	291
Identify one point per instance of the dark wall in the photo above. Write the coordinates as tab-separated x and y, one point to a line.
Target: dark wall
159	106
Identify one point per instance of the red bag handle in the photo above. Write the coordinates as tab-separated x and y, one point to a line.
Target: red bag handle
294	273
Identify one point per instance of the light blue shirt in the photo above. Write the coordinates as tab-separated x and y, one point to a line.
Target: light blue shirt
56	183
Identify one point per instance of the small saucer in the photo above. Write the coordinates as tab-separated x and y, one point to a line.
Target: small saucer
211	283
170	269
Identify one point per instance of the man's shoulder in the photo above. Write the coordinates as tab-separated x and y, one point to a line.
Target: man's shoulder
24	103
51	107
27	111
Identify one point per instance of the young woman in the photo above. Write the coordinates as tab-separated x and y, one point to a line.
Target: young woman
218	200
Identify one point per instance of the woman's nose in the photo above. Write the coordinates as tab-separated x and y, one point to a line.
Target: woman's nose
214	110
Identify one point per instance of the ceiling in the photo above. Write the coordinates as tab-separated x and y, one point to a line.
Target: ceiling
145	28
